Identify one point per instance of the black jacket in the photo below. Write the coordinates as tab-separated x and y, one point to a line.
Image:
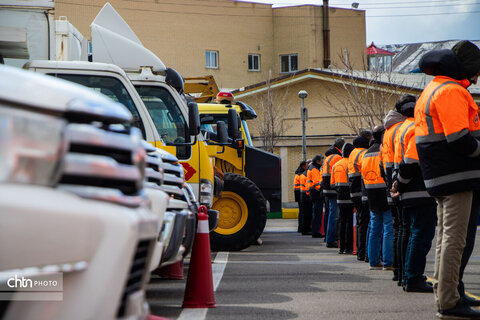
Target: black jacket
449	164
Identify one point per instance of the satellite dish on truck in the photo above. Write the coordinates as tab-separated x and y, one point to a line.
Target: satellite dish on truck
113	41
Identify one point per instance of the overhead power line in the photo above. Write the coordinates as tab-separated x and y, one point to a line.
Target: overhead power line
225	14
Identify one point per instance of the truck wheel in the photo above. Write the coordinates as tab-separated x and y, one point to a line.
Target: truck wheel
243	214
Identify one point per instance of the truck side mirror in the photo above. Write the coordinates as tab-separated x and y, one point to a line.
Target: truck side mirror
193	119
233	124
222	135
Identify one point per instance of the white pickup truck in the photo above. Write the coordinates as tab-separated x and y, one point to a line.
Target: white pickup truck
71	203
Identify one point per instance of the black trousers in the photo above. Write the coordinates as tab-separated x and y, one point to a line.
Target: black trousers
307	217
471	233
300	216
404	236
396	227
346	227
363	218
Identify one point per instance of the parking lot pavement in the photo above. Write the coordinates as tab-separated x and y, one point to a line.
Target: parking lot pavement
296	277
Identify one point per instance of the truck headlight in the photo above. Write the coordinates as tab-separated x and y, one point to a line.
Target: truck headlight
31	145
206	193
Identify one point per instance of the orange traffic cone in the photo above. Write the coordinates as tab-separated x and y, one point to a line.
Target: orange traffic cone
173	271
199	290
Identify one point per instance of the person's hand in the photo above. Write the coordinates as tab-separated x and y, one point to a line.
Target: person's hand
394	192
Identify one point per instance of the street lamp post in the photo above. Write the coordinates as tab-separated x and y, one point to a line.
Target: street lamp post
302	94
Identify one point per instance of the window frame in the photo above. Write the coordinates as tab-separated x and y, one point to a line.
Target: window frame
290	55
210	59
254	55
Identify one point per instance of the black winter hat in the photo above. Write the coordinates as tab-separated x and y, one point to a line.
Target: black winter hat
378	133
361	142
469	56
339	142
347	149
408	109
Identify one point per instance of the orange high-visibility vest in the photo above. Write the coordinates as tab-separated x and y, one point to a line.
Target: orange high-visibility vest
372	177
373	181
354	162
399	145
354	171
410	181
314	176
327	173
296	183
446	120
388	150
339	179
303	184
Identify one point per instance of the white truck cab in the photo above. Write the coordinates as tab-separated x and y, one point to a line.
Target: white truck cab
112	81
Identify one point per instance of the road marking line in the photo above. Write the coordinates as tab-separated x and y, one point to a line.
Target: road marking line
218	268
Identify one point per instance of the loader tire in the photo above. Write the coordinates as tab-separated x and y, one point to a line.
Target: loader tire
243	214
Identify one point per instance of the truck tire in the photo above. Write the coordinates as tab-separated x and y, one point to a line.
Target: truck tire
243	214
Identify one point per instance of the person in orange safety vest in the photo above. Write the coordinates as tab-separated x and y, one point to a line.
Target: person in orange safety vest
380	214
306	203
339	179
418	207
361	144
333	155
446	126
314	177
296	190
401	222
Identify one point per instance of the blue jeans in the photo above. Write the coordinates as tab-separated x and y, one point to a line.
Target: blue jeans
380	222
332	219
317	216
422	230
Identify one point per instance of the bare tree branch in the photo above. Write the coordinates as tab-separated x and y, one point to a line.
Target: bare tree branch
272	109
368	96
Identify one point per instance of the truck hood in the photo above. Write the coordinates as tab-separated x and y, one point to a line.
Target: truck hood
52	94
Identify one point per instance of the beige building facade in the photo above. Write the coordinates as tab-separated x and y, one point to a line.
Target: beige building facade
239	43
323	125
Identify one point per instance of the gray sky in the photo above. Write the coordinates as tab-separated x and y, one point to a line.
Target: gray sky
409	21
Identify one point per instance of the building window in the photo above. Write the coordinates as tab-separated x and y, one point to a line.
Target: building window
253	62
288	63
380	63
211	59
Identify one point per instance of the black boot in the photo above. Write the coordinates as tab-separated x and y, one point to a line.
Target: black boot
420	286
470	301
461	310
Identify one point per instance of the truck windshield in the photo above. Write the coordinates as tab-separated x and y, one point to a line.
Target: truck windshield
247	133
166	115
112	88
209	123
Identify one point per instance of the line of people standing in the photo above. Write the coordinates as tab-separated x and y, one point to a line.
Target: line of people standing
418	170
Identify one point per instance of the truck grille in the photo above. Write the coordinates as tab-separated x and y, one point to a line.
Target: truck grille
173	176
135	276
104	162
154	170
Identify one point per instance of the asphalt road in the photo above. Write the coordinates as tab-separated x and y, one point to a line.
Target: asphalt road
291	276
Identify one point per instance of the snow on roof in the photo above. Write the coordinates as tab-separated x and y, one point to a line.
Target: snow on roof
407	56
